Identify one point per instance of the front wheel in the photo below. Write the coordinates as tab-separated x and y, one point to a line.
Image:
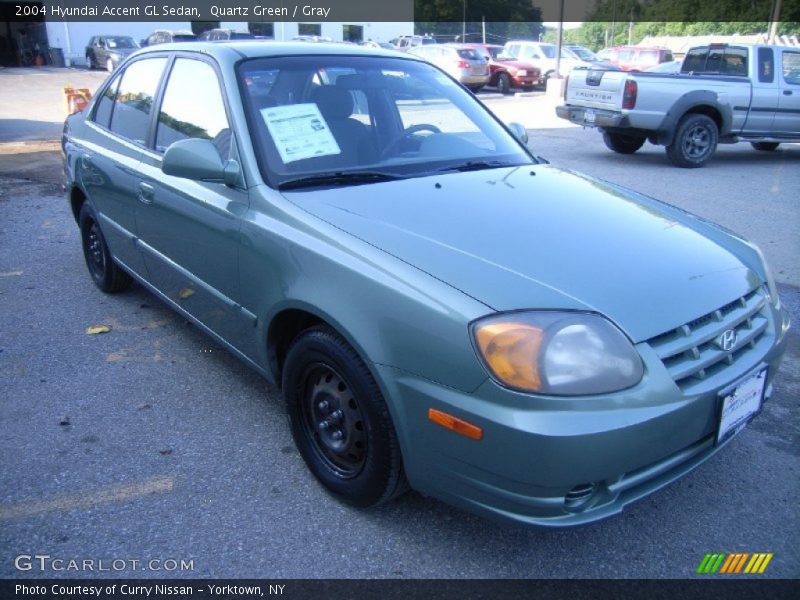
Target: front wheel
504	83
765	146
339	420
695	141
106	274
623	144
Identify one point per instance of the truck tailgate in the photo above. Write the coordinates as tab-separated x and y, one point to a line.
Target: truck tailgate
596	88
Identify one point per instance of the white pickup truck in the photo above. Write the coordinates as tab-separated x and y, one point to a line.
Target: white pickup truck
724	93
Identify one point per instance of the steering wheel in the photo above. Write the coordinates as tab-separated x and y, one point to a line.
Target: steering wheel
391	147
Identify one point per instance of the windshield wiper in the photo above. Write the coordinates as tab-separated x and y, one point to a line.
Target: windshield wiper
339	178
478	165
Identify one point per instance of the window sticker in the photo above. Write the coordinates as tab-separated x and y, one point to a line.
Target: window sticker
299	131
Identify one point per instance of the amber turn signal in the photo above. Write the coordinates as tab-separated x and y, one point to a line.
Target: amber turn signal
455	424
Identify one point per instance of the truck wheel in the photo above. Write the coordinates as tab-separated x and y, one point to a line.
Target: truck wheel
339	420
695	141
504	83
765	146
624	144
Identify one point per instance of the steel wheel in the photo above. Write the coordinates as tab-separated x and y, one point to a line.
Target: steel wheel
340	422
95	257
106	274
333	420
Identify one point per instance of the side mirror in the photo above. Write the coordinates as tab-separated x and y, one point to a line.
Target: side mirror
519	132
199	159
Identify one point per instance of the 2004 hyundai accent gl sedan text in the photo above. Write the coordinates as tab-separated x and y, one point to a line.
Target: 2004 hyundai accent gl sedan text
440	308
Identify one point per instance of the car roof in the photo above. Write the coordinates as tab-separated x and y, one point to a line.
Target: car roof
266	48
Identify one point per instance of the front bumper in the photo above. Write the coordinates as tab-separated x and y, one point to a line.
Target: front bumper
592	117
526	80
555	462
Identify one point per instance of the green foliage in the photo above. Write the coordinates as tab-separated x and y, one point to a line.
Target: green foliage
505	19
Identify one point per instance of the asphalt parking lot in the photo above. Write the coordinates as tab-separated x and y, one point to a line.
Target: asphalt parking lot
150	442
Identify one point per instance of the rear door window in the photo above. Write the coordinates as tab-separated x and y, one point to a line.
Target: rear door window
102	114
766	65
134	101
695	60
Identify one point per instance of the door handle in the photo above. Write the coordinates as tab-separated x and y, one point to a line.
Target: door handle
787	92
146	192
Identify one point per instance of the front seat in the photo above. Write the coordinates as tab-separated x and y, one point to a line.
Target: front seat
353	137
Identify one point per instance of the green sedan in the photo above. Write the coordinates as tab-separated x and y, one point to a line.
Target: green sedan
441	309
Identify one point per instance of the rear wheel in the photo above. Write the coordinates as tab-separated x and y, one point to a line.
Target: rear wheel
105	273
339	420
765	146
623	144
504	83
695	141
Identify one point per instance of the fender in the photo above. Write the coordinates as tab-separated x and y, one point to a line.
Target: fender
687	102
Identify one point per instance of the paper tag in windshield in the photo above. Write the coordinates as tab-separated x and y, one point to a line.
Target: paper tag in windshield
299	131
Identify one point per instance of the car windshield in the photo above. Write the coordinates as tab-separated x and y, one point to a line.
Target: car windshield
318	116
583	53
550	51
121	42
494	52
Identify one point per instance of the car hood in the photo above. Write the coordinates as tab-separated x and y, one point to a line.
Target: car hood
516	64
541	237
122	51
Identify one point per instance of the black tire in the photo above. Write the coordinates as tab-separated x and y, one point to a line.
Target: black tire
504	83
621	143
339	420
695	141
105	273
765	146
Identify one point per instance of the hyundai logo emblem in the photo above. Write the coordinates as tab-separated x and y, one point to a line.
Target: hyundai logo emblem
727	340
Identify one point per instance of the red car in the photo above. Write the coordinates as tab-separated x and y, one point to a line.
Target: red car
635	58
507	73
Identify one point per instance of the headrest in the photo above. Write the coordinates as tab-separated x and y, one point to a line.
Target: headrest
333	102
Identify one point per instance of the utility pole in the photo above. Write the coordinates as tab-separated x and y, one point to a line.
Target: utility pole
776	18
630	29
464	23
483	28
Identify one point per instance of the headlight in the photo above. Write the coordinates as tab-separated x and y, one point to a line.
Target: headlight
771	287
559	353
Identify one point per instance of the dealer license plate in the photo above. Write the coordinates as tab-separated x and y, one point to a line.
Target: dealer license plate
589	116
740	404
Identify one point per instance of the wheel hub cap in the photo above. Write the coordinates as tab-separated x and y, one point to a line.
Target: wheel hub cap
334	420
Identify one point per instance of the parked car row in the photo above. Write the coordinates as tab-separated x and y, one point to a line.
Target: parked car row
107	51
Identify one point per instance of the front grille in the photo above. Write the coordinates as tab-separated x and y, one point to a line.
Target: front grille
693	352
